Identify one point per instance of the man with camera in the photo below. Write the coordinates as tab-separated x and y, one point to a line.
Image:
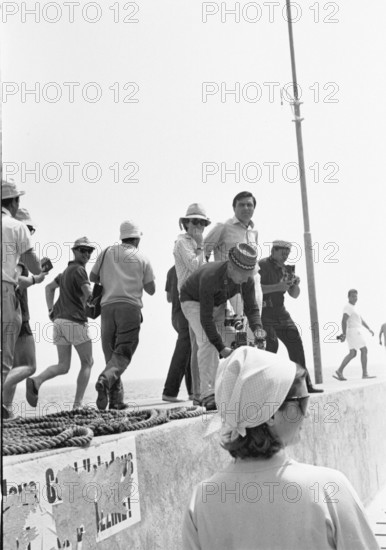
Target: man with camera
203	297
277	279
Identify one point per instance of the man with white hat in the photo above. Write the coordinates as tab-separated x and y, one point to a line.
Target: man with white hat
70	324
203	297
24	358
276	280
124	272
16	245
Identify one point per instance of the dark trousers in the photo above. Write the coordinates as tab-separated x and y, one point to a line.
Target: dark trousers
180	362
120	326
284	329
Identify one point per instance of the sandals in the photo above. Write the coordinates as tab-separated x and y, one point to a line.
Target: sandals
339	376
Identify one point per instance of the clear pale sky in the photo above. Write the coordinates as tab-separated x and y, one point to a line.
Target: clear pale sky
150	103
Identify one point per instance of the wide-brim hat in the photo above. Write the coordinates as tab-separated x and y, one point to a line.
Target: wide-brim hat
251	385
244	257
83	242
24	216
9	190
129	230
195	211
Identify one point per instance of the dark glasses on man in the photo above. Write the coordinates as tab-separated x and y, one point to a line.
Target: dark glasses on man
31	229
197	221
303	402
83	250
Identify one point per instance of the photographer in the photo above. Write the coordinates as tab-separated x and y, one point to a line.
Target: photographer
203	297
277	279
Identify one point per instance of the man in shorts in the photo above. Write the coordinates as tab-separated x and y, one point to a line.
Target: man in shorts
352	332
70	323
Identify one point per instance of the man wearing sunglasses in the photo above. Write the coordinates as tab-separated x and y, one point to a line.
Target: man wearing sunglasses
70	323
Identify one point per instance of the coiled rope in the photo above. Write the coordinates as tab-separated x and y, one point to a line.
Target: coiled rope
78	427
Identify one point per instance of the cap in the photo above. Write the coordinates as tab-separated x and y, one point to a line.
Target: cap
83	241
195	211
9	190
281	244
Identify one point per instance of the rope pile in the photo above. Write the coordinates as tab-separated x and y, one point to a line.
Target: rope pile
78	427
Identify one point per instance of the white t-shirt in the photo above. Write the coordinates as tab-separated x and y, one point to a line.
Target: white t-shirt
16	241
354	319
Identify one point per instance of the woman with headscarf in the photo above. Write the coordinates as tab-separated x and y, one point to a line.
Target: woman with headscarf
264	500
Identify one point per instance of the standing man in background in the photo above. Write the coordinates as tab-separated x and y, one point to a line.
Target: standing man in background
276	280
352	332
124	272
238	229
16	246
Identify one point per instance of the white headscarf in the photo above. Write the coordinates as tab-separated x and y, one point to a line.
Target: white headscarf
251	384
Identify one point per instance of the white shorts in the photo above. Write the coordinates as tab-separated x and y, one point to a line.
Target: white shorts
355	338
67	333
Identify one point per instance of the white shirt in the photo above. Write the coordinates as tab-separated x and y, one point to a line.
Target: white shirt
224	236
354	319
16	241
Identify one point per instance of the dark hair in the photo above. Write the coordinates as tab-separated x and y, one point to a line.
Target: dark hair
243	195
6	203
185	223
131	240
352	291
260	442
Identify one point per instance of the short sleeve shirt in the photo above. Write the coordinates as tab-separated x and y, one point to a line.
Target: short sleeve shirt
16	241
354	319
124	272
71	304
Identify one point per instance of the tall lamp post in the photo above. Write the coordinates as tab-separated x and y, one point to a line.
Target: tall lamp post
306	220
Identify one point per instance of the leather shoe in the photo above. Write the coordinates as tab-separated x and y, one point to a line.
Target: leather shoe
312	389
120	406
102	398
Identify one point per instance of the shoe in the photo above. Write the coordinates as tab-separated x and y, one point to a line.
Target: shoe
4	413
171	399
209	403
312	389
102	398
197	402
120	406
368	376
32	394
339	376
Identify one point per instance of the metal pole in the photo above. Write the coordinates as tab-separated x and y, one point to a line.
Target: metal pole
306	220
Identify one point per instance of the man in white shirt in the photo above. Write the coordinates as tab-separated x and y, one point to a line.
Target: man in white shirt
352	332
238	229
16	246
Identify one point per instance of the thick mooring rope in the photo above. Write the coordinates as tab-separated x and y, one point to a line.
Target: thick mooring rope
78	427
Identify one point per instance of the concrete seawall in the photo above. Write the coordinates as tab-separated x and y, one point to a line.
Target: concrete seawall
131	490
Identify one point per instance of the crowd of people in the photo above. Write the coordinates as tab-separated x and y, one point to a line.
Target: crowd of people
216	305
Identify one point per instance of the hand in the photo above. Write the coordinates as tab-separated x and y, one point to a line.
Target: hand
343	338
283	286
296	281
198	237
225	352
51	314
39	278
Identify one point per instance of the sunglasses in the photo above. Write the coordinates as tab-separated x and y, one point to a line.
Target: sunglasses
303	402
84	250
197	221
31	229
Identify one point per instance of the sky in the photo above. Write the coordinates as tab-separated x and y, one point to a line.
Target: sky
125	110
